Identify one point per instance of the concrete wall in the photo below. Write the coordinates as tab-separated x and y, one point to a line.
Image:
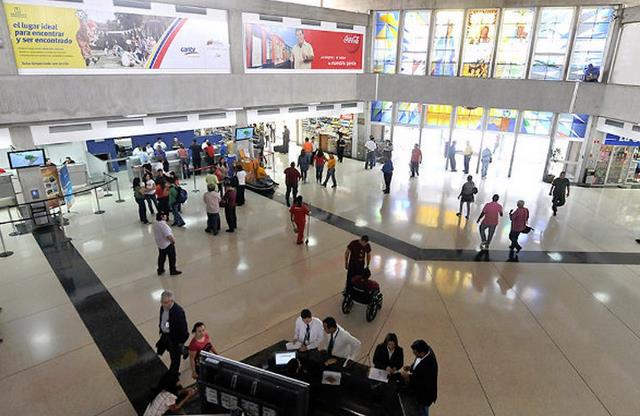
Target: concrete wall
7	61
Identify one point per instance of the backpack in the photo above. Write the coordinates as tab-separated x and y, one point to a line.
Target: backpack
182	196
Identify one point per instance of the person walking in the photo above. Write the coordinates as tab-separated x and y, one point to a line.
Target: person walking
331	171
416	160
468	153
387	173
241	176
319	162
341	144
370	148
174	203
357	257
291	179
200	342
490	217
451	154
519	219
559	192
486	158
211	200
183	155
166	244
307	148
150	192
139	196
299	213
303	164
467	195
229	204
422	376
196	157
174	331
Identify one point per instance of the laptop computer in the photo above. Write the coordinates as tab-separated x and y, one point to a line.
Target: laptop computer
283	358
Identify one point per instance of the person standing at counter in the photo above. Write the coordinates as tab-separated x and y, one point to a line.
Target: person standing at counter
388	355
196	158
309	331
183	154
338	342
422	376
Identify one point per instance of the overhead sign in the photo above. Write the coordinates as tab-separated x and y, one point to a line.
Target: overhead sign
71	38
291	47
613	140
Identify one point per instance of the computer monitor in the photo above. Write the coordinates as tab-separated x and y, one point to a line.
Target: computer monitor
26	158
283	358
244	133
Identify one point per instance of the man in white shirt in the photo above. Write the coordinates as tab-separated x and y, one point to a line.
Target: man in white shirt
166	244
370	147
241	175
338	342
309	331
302	52
160	143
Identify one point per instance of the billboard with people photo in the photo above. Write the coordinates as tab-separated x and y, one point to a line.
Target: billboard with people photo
282	47
70	38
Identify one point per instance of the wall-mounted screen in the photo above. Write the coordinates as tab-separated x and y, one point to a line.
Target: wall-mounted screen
244	133
26	158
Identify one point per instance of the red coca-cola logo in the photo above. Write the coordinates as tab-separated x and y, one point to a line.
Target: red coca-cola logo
351	43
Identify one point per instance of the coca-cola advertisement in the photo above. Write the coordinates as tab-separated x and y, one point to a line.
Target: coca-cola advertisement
279	47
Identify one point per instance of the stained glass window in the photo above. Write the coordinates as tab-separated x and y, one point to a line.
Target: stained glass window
536	122
438	115
385	43
415	42
469	118
502	120
513	44
552	43
446	43
572	125
479	40
409	114
590	42
381	111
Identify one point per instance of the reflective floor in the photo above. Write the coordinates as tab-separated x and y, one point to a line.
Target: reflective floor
526	338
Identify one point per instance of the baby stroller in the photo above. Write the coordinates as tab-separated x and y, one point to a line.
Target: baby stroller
363	291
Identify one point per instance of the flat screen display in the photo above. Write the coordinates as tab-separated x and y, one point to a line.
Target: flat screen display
244	133
283	358
26	158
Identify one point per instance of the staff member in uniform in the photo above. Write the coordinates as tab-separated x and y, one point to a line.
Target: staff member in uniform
357	257
309	331
388	355
338	342
422	376
173	330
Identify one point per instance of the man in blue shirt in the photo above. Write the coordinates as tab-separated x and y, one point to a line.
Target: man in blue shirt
387	171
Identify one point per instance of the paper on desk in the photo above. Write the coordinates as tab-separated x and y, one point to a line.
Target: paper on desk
331	377
378	375
293	345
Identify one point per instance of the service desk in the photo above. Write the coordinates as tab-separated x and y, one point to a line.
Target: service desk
356	394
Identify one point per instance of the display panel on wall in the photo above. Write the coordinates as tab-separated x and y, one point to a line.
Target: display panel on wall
381	111
536	123
446	43
291	46
385	42
479	38
514	42
408	114
469	118
438	115
56	37
590	43
552	43
502	120
415	42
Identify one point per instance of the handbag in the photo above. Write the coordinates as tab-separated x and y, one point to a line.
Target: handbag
527	230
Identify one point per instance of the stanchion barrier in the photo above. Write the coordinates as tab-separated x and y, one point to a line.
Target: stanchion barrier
98	211
4	252
61	222
13	225
114	178
107	187
195	184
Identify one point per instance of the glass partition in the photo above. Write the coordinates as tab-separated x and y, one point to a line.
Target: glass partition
514	42
385	42
479	41
552	43
591	41
409	114
567	144
381	111
499	139
435	133
446	43
415	42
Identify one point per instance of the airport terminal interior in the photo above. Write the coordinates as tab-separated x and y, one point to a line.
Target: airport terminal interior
414	115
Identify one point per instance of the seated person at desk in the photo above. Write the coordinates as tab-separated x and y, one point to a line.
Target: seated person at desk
388	355
308	331
338	342
363	281
422	376
68	161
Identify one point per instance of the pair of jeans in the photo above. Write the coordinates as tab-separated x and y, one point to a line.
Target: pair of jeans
485	167
513	237
142	210
177	218
340	153
163	253
370	162
240	195
467	159
196	165
387	182
483	235
452	162
303	172
319	170
230	216
184	166
290	189
213	222
414	169
331	173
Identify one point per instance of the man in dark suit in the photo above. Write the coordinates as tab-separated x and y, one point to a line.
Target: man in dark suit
173	330
422	376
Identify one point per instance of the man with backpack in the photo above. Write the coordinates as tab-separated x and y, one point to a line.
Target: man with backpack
177	196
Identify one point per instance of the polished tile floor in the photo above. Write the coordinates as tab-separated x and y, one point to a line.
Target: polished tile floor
511	338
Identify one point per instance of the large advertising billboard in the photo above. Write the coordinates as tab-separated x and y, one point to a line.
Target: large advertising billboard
290	47
70	38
